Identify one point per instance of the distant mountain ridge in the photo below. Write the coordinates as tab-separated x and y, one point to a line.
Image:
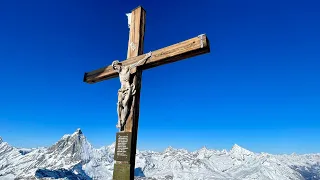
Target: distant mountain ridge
74	158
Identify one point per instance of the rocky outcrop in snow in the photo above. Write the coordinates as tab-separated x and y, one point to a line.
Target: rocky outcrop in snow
73	157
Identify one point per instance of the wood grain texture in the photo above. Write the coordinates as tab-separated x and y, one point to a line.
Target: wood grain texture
136	34
135	48
186	49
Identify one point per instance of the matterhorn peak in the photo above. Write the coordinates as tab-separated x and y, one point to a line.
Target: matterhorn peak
74	146
77	132
1	140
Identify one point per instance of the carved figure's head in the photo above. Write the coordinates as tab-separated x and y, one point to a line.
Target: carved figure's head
116	65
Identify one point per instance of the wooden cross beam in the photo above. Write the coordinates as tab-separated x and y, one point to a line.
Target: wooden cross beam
186	49
129	93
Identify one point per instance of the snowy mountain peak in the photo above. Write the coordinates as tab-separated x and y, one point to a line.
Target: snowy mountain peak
204	148
238	149
169	149
240	153
1	140
236	146
112	146
203	152
78	131
75	146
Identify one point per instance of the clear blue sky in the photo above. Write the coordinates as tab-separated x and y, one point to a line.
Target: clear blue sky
259	87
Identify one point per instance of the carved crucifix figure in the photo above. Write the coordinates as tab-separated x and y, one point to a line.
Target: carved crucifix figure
127	89
130	74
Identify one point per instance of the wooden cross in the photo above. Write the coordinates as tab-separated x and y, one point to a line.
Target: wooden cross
127	139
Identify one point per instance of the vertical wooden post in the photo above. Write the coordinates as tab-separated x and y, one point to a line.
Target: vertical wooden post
135	48
136	34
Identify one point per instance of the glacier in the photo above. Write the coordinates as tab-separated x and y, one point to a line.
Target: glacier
74	158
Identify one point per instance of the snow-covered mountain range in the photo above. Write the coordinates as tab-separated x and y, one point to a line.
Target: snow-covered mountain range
73	157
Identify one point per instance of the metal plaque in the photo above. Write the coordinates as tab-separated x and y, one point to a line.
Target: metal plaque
123	146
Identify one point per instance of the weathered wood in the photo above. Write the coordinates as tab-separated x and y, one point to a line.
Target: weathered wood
135	48
186	49
136	34
137	29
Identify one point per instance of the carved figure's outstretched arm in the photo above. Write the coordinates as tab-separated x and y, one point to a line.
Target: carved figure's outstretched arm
142	61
